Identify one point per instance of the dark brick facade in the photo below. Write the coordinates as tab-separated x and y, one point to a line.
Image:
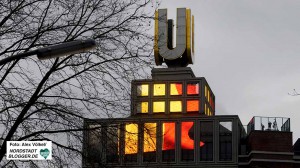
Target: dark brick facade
269	149
272	141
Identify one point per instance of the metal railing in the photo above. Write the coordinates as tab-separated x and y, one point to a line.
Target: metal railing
269	124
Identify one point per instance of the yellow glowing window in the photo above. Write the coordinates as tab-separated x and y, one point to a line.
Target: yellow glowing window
175	106
208	94
142	107
175	89
158	106
131	138
159	89
192	105
143	90
149	137
192	88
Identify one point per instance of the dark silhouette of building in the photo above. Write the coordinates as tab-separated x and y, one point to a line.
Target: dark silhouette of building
173	124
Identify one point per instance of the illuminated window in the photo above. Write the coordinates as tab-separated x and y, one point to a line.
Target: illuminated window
158	106
131	141
159	89
206	141
175	106
168	142
208	95
192	89
149	154
212	102
175	89
142	107
187	141
192	105
143	90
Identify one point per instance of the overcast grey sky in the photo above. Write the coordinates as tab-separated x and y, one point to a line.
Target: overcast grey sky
249	52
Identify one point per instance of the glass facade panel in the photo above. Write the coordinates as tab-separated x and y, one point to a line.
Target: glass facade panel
131	142
142	107
159	106
192	89
192	105
225	141
175	106
159	89
187	141
149	154
206	141
175	89
143	90
112	144
95	144
168	142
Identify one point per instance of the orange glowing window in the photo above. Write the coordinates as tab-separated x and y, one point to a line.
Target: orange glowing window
158	106
187	135
142	107
131	138
193	88
192	105
175	89
168	138
143	90
159	89
175	106
149	137
187	141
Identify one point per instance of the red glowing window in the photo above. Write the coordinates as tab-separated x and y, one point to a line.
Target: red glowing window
192	105
187	141
168	142
192	88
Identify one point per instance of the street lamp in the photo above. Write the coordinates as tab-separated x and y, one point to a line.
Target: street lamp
54	51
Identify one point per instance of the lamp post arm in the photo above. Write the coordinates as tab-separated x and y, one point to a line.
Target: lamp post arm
54	51
18	56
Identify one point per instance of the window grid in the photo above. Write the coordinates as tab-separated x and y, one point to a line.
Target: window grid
165	91
204	132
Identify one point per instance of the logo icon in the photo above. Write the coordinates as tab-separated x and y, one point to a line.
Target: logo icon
44	153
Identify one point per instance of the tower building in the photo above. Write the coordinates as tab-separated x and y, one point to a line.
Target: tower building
173	121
